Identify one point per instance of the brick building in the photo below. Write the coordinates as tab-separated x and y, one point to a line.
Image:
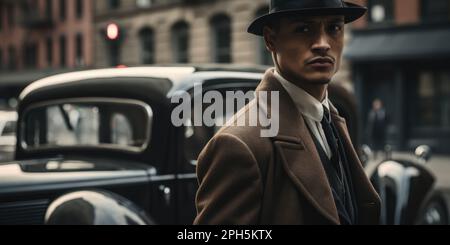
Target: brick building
39	37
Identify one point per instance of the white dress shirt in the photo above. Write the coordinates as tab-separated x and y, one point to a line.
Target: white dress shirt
310	108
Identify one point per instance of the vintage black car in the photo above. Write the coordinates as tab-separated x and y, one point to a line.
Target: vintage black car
84	139
98	147
414	188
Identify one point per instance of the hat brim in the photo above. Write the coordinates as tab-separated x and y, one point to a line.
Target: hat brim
351	12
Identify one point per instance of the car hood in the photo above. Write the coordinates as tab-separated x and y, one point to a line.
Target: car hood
44	174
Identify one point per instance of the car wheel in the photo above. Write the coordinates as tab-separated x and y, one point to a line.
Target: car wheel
435	213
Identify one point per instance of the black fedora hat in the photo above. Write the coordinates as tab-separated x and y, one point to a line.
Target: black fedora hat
279	8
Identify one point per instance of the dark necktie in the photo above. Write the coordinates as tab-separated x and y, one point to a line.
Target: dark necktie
342	187
332	141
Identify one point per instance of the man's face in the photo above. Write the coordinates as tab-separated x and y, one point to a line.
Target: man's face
307	49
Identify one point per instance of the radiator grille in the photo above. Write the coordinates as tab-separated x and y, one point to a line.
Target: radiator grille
23	213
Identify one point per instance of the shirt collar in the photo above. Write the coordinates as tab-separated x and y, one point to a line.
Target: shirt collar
305	103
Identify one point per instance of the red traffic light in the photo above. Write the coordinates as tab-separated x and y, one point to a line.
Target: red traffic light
112	31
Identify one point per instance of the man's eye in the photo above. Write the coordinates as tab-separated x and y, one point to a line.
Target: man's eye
336	28
302	29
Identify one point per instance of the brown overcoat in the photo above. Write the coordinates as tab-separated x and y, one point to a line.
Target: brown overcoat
246	179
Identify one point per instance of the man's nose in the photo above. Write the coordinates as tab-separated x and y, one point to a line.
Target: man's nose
321	43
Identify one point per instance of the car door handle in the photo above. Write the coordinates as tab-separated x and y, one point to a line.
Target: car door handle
166	191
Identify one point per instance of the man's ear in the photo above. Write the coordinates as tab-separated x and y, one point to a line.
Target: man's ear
269	38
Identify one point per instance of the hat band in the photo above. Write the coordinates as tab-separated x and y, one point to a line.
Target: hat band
304	4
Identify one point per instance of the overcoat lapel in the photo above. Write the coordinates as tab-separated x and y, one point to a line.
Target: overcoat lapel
298	153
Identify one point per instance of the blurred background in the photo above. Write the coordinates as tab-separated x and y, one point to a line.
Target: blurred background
396	59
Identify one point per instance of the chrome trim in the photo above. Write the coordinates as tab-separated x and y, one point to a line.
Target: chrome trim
173	177
162	178
187	176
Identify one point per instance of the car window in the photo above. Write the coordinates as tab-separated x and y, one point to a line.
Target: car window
9	129
89	123
72	124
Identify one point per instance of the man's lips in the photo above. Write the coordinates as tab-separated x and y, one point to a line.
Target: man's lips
321	60
321	63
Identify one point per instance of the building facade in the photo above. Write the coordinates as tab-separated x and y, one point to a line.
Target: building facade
178	31
400	54
43	35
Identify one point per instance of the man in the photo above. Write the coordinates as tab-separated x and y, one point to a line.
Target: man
377	127
309	173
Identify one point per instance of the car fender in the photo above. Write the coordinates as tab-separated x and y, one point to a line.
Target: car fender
403	185
95	208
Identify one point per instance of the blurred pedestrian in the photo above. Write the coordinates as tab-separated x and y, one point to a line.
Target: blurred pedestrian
377	127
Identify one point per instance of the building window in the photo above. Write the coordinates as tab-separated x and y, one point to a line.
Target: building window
30	55
147	38
62	10
435	10
49	48
381	11
114	4
263	55
12	58
62	51
79	50
221	38
79	8
180	42
432	100
49	9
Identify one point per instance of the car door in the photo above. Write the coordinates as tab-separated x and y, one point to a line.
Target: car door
194	139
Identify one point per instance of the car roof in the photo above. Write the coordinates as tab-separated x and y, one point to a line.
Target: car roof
170	73
167	79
